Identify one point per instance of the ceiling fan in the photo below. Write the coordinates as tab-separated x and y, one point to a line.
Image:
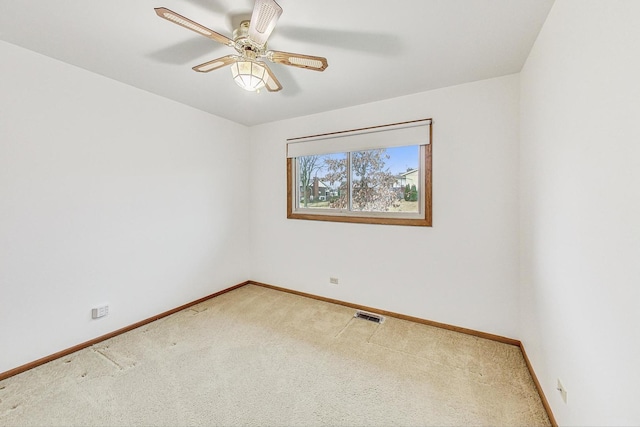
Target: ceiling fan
250	42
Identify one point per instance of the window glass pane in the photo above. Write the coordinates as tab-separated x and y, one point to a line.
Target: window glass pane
404	163
323	181
385	180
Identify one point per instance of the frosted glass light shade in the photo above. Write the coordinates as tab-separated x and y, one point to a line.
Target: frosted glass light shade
249	75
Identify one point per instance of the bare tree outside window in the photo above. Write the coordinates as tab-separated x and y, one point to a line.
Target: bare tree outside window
336	177
307	166
372	184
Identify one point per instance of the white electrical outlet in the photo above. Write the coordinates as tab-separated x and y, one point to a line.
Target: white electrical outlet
99	312
562	390
333	280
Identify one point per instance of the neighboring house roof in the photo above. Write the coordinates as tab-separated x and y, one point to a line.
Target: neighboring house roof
409	172
320	184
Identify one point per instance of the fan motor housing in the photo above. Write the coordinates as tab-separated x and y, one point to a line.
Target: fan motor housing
244	45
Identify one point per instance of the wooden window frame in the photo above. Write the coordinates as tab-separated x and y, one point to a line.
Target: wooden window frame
425	220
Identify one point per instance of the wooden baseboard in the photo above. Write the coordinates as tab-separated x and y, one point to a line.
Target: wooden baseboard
66	352
545	402
467	331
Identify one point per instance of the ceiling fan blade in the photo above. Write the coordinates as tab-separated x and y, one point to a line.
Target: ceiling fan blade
316	63
273	85
216	63
263	20
171	16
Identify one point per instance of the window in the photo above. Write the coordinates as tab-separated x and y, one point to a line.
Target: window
376	175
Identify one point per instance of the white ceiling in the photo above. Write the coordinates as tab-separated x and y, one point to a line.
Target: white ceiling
376	49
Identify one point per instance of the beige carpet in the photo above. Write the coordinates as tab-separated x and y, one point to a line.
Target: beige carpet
256	356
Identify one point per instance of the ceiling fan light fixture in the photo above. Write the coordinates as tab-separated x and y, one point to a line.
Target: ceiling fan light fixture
249	75
249	67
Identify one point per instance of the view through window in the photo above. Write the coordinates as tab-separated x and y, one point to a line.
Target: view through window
382	180
390	185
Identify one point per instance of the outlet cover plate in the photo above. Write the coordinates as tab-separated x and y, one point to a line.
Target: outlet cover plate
99	312
562	390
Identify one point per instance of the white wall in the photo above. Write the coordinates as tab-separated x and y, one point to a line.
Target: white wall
463	270
108	194
580	217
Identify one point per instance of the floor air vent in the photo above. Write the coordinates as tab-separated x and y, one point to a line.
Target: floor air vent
376	318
